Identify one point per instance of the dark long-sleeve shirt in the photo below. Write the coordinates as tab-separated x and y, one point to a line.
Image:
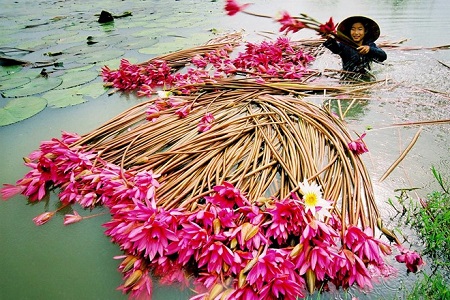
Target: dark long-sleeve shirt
352	61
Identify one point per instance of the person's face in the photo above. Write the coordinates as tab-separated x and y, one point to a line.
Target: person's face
357	32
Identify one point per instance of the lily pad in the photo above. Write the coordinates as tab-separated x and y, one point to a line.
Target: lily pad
93	90
73	96
152	32
35	86
20	109
81	49
129	24
35	44
11	83
159	49
61	37
99	56
71	37
71	79
63	98
80	69
8	70
138	43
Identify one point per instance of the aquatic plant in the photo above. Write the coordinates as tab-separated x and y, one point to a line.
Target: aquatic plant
432	221
431	218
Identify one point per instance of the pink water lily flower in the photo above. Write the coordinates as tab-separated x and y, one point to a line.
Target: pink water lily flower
70	219
206	122
328	27
183	111
43	218
358	146
152	113
227	196
289	23
412	259
215	256
10	190
232	7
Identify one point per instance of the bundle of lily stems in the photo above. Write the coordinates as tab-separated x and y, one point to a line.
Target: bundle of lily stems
233	185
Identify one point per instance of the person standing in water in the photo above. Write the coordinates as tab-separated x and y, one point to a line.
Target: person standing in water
358	53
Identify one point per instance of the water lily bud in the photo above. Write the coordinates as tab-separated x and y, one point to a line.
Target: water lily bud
126	260
50	155
216	226
133	278
242	279
215	291
379	223
248	231
129	264
233	243
385	249
82	174
296	250
250	264
225	267
70	219
311	281
43	218
226	293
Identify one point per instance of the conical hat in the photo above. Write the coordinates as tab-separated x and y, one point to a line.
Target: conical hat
372	28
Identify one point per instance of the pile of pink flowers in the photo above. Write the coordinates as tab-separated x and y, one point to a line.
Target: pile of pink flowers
229	246
278	59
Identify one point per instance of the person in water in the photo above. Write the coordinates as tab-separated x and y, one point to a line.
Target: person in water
361	50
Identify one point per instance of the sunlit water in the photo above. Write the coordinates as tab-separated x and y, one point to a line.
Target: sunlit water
76	262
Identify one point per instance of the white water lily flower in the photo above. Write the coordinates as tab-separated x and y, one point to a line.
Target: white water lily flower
312	197
164	94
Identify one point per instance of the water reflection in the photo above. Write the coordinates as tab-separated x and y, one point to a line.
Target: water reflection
76	262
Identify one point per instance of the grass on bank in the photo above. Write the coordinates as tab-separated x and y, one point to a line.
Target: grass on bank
431	219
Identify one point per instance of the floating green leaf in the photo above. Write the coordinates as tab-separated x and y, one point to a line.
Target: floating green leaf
152	32
11	83
71	79
63	98
61	37
138	43
93	90
8	70
20	109
35	44
71	38
128	24
84	48
35	86
165	47
99	56
73	96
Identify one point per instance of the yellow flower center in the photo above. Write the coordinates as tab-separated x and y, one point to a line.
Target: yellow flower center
311	199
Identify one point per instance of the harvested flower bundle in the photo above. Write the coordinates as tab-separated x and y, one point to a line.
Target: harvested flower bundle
235	186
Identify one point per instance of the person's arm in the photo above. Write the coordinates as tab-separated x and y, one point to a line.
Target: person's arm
376	53
333	45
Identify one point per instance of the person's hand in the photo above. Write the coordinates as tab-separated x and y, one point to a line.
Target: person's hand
326	36
363	49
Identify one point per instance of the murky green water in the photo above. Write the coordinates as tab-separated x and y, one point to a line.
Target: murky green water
76	262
